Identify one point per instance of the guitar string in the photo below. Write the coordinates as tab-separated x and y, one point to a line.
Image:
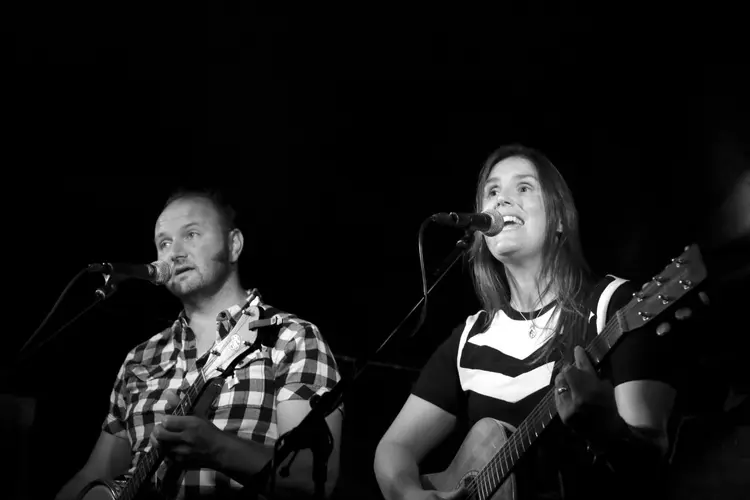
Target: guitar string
190	394
480	481
506	454
151	456
612	327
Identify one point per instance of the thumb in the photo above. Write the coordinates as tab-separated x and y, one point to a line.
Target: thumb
460	493
583	362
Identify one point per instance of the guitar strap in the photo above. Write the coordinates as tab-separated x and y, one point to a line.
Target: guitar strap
269	334
571	452
604	298
598	303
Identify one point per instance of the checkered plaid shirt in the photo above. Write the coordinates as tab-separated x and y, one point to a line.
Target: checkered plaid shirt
299	365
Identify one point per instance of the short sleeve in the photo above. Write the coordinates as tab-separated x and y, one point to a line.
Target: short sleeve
438	382
307	366
640	354
114	422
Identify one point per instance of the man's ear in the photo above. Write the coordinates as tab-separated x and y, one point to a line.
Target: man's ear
236	243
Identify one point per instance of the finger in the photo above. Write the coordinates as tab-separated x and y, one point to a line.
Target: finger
663	329
173	399
561	392
577	380
582	360
180	452
162	434
570	380
704	297
458	494
174	422
683	313
159	435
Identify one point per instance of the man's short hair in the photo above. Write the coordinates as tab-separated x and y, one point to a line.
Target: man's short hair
227	214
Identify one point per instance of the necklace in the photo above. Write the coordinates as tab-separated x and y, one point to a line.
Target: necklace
532	327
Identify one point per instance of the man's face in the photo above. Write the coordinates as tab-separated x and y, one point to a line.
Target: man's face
189	236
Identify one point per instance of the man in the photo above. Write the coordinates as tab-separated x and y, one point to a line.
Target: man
267	395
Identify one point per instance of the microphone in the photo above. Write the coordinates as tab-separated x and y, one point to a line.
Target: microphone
489	222
157	272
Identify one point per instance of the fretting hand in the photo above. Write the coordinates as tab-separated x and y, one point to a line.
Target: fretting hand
681	314
186	439
584	401
587	403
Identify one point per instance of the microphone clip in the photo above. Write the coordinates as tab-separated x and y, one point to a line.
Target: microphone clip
109	287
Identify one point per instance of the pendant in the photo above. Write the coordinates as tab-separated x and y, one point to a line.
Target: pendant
532	331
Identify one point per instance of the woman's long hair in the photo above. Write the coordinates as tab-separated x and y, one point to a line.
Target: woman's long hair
564	268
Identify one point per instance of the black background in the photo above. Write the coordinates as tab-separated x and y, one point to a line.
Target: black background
334	136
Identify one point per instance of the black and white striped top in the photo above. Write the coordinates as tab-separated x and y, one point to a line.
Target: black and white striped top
483	369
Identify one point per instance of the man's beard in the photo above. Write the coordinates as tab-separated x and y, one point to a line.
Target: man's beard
206	286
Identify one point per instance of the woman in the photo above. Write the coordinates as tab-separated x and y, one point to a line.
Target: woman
539	302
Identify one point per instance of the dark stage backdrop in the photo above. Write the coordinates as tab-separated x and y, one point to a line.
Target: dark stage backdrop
334	141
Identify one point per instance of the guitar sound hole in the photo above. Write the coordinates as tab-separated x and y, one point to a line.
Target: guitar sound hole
468	478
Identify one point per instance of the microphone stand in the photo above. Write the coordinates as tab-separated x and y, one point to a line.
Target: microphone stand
313	432
102	293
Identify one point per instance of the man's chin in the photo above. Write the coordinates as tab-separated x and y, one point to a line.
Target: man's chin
181	290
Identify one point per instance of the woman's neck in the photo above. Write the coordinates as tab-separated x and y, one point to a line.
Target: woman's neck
527	291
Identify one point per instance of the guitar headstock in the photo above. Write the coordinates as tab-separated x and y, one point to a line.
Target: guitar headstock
225	355
678	279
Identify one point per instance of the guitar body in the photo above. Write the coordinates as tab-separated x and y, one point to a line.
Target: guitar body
223	358
102	489
99	490
484	441
487	456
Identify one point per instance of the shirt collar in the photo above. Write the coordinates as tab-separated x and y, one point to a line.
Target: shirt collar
232	313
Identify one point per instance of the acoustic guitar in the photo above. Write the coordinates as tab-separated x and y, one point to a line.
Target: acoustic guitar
486	459
221	362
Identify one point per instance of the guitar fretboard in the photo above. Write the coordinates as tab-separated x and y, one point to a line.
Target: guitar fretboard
491	477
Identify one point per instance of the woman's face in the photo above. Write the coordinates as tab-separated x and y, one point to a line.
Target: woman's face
513	189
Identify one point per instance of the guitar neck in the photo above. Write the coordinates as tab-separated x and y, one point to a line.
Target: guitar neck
151	459
502	463
231	347
655	296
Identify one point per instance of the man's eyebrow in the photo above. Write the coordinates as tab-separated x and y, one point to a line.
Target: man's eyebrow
161	234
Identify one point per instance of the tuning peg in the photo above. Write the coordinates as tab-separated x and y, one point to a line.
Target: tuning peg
686	284
665	299
659	280
639	296
644	315
678	261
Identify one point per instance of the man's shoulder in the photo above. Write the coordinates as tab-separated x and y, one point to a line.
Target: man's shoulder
152	347
292	328
294	325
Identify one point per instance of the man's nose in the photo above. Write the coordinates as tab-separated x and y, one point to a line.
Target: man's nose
177	252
